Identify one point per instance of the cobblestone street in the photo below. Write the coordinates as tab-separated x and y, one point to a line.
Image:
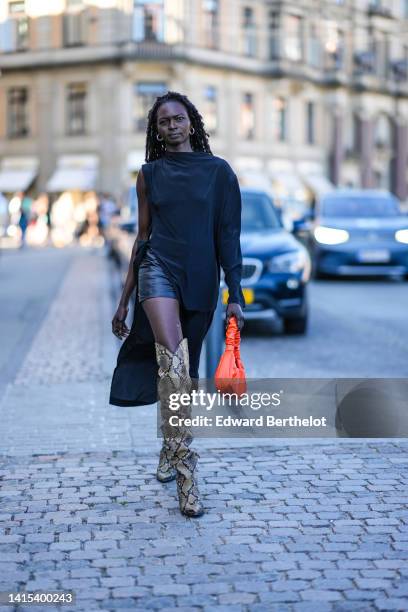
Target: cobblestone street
290	524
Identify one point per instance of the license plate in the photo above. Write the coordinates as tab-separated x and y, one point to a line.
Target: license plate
248	295
374	255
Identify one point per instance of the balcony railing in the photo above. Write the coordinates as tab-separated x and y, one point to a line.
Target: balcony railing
364	63
288	48
74	29
351	153
151	49
378	10
399	69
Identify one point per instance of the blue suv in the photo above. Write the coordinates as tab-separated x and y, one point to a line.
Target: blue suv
276	266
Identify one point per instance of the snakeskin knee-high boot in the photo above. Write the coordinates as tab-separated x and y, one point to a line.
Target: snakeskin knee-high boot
165	471
174	378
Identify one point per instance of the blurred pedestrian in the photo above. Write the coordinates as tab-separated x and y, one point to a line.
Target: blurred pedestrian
25	216
106	209
3	214
39	228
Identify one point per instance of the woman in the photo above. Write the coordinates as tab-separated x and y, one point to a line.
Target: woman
189	224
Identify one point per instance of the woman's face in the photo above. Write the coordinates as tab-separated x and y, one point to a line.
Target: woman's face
173	123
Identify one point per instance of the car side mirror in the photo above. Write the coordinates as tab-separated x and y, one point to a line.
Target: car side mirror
302	225
129	227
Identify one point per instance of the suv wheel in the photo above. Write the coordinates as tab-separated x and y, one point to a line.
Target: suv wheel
296	325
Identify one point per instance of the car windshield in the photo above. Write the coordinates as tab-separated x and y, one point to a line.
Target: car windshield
258	212
358	206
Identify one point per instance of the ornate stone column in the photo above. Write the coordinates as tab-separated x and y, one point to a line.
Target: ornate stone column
367	143
337	149
400	160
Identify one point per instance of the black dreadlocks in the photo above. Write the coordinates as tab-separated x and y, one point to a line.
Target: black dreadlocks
199	140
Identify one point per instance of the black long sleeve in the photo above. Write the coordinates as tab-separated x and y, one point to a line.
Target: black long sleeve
229	246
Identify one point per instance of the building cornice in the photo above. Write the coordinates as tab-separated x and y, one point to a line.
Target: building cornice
83	56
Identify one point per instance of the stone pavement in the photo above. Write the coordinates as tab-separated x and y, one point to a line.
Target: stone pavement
290	525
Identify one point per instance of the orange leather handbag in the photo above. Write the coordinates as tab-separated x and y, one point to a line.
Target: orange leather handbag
230	375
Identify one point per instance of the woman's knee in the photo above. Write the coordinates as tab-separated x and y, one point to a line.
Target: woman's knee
164	319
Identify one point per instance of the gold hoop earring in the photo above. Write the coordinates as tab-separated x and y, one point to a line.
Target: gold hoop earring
159	139
191	132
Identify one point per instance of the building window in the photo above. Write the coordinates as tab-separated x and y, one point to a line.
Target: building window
280	119
333	45
17	26
405	61
383	132
74	24
274	38
351	135
314	46
16	6
17	112
380	48
356	136
210	109
249	31
76	108
293	38
148	20
211	23
145	94
310	123
247	117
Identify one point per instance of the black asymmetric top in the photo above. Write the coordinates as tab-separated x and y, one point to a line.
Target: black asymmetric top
195	208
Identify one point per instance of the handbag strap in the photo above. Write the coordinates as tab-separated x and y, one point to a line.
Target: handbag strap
230	335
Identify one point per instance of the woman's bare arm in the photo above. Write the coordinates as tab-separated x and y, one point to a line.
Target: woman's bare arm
119	327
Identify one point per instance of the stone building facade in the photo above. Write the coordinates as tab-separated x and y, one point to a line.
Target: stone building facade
300	95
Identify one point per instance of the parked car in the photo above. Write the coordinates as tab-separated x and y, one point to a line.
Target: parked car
276	266
359	232
120	237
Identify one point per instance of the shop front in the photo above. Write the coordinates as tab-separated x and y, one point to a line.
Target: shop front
17	175
74	201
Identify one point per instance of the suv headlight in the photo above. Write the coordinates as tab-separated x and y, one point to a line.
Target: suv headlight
294	261
402	236
330	235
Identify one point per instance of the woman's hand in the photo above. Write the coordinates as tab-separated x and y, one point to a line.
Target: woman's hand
234	310
119	327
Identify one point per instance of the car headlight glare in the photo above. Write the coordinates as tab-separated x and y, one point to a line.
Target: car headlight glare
402	236
294	261
330	235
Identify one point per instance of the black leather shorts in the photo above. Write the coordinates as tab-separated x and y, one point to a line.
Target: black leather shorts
153	280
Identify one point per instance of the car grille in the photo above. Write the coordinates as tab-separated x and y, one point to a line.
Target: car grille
248	270
251	270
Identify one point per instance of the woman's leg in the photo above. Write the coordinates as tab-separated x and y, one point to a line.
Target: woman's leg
172	353
164	318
